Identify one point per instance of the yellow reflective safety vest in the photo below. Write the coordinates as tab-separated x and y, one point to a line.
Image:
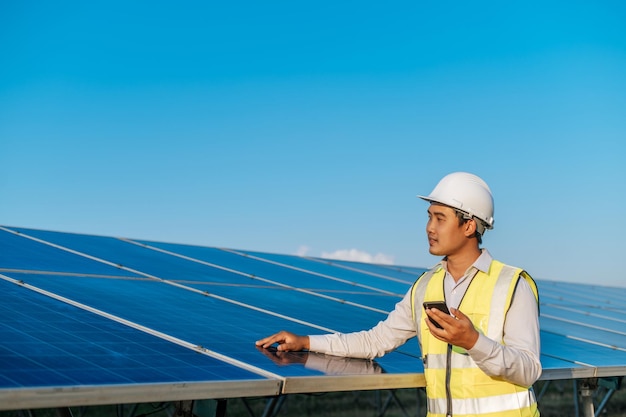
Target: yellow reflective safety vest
455	386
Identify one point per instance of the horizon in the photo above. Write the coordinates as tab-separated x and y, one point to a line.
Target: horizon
294	129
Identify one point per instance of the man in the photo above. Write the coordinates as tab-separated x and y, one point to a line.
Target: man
483	357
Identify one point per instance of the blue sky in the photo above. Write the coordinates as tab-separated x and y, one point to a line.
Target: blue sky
310	127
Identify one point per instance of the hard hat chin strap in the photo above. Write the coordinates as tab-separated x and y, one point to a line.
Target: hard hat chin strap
480	225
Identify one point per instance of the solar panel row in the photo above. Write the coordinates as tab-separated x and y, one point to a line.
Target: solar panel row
96	320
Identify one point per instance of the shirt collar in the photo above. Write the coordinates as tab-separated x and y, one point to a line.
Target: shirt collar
482	263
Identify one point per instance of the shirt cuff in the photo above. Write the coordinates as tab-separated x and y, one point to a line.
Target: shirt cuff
482	348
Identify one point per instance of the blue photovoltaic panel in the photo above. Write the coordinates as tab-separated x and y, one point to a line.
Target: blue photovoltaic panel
388	282
138	258
220	326
567	348
48	343
555	369
583	326
340	280
303	306
406	274
329	314
221	301
589	306
579	297
170	267
17	252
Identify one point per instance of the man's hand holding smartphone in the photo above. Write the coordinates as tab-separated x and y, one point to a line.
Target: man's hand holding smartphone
439	305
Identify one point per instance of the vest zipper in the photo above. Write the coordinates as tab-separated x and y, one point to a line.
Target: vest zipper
448	364
448	377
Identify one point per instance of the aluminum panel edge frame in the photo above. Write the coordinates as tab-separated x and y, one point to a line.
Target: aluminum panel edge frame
568	373
32	398
336	383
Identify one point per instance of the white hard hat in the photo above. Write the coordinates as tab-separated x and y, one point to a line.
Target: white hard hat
467	193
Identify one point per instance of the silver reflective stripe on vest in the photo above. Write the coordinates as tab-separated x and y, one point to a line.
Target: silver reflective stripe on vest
495	330
484	405
439	361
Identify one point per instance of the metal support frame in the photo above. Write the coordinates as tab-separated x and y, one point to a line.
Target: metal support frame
64	412
591	397
220	410
273	406
200	408
586	390
380	403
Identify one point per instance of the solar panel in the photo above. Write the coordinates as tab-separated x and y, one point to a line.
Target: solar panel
52	352
106	320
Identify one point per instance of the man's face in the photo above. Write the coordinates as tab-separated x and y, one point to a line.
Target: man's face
445	236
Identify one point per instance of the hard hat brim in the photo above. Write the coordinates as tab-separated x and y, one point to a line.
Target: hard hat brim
486	224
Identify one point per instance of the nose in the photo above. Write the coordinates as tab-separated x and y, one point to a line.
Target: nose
429	226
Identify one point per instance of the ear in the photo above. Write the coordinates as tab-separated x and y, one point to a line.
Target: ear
470	228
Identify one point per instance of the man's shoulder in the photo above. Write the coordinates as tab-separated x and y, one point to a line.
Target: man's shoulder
507	265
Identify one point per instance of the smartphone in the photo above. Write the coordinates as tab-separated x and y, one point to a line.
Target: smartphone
439	305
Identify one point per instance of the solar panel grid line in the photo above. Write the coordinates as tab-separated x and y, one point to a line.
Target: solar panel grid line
587	371
610	315
587	309
256	277
295	268
586	313
126	267
81	254
72	274
216	296
322	380
586	285
614	299
413	272
328	262
582	303
615	344
32	377
404	269
407	270
307	323
579	323
205	293
251	307
195	347
589	295
84	255
604	359
156	283
595	342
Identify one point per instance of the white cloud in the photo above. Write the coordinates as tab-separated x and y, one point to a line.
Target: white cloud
303	250
359	256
